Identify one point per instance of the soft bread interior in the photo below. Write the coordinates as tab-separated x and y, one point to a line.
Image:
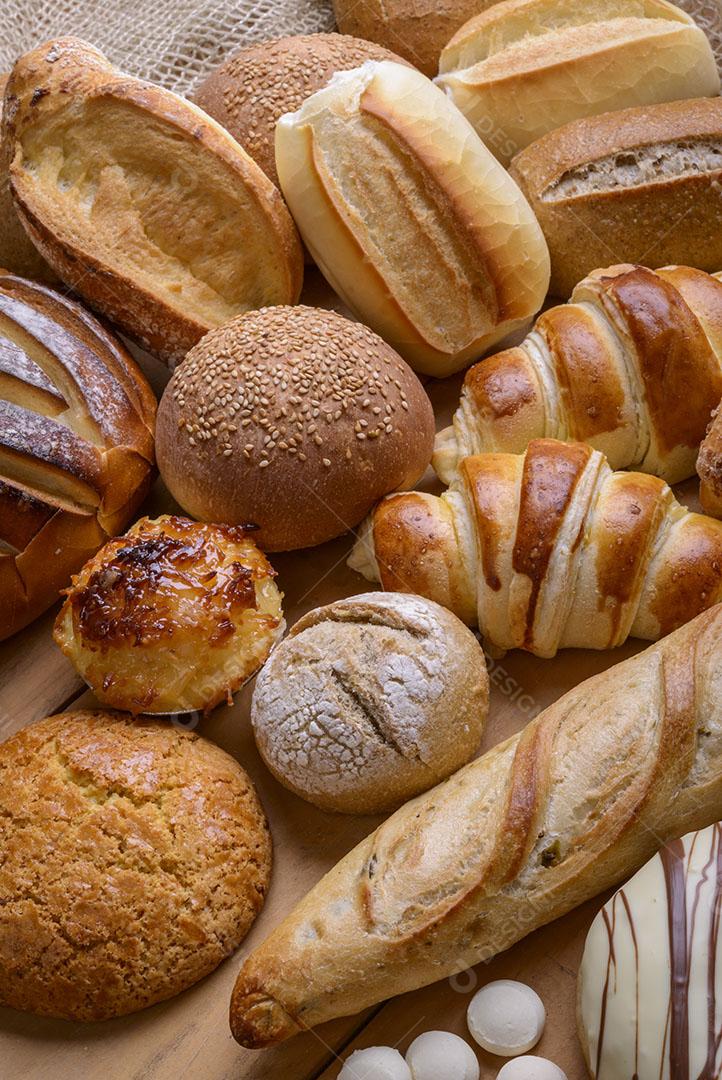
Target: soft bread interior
114	181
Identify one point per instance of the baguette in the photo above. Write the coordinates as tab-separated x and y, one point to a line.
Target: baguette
567	808
524	67
641	185
549	550
632	366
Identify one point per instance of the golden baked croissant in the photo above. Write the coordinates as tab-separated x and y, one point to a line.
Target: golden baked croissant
549	549
632	365
542	822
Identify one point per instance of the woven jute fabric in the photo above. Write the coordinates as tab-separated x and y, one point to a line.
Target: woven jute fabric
177	42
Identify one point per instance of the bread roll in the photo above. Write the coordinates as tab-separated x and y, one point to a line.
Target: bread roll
415	29
643	185
172	617
410	217
134	858
249	91
547	819
709	467
76	444
369	701
142	204
295	420
525	67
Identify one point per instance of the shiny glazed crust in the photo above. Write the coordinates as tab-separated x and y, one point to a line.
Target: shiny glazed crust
550	549
558	813
134	858
632	366
173	616
137	199
409	216
76	444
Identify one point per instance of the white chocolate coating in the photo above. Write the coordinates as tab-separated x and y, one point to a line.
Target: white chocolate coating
506	1017
530	1068
650	1000
375	1063
441	1055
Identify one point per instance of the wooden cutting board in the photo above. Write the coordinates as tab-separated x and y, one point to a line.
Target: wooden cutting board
188	1036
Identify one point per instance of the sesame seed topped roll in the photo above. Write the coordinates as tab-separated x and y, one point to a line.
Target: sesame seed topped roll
293	419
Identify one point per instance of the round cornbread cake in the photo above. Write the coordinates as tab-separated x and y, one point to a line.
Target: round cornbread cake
134	857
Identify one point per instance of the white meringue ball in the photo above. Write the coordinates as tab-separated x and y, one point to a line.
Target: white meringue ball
506	1017
441	1055
375	1063
530	1068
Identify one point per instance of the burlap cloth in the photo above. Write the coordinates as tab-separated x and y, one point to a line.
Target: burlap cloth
176	42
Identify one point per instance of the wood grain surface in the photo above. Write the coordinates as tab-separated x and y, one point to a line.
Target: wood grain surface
188	1036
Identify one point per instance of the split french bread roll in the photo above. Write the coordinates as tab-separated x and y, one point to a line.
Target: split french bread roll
548	550
631	365
576	802
410	217
140	202
524	67
640	185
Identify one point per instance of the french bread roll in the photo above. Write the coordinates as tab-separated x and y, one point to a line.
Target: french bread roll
410	217
641	185
140	202
525	67
571	805
76	444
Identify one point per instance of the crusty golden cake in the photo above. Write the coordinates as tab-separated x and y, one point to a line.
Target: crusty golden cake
171	617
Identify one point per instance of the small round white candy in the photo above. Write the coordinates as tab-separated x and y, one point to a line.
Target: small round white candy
440	1055
506	1017
375	1063
530	1068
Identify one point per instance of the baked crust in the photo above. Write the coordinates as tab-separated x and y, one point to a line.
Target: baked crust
134	857
137	199
172	617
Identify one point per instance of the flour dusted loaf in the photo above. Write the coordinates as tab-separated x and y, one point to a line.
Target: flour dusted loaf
76	444
523	67
410	217
295	420
172	617
140	202
134	858
251	90
641	185
369	701
563	810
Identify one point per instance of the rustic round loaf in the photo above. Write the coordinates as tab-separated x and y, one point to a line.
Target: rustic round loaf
172	617
249	91
370	701
76	444
293	419
134	857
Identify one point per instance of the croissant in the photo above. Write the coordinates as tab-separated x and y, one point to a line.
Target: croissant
709	467
548	549
632	365
542	822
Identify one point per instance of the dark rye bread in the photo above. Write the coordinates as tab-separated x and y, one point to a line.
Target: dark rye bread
294	419
249	92
641	185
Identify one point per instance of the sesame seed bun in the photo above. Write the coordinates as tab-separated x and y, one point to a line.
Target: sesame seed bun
294	419
249	92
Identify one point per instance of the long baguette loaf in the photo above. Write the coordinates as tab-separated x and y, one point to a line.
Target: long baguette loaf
577	801
549	550
632	366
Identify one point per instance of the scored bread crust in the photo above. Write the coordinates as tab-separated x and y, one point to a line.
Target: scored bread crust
581	798
166	264
639	185
524	67
77	418
410	217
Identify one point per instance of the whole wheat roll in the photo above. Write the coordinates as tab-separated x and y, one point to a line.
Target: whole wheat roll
565	809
